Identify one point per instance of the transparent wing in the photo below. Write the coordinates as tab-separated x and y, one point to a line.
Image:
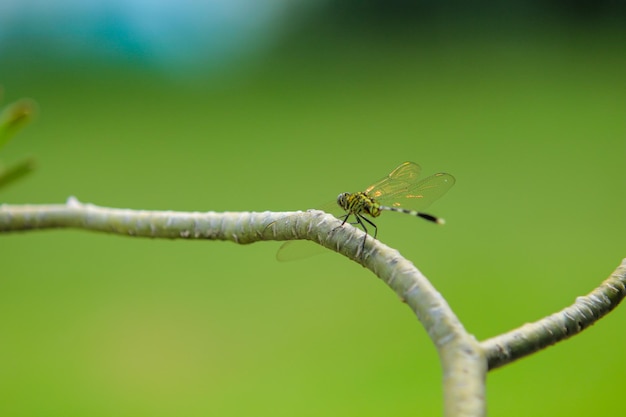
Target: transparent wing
331	207
422	194
400	178
294	250
402	188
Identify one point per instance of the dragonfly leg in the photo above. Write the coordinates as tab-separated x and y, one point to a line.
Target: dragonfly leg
360	219
344	218
371	223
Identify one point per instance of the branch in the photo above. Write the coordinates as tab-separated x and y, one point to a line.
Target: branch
531	337
240	227
463	361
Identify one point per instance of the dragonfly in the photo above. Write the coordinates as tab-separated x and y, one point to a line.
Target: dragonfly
401	191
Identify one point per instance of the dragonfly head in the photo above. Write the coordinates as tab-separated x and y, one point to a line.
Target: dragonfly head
342	200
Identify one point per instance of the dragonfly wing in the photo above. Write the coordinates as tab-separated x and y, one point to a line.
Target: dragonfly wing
421	194
293	250
331	207
397	181
299	249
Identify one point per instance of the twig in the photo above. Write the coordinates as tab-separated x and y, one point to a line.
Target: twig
531	337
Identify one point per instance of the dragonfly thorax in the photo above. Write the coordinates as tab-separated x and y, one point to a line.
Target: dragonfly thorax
358	203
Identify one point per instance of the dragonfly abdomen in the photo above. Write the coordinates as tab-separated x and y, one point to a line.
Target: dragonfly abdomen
425	216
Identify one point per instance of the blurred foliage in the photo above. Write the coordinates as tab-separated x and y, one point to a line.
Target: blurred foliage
377	10
528	118
12	118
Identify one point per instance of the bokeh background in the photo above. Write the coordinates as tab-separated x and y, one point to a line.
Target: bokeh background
277	105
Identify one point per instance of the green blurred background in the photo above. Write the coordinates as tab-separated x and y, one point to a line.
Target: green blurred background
524	106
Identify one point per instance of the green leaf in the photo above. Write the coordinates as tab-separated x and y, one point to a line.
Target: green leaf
16	171
14	117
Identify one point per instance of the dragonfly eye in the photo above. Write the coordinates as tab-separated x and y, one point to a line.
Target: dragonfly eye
341	199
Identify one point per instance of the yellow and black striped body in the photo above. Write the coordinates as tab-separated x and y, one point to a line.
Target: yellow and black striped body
358	204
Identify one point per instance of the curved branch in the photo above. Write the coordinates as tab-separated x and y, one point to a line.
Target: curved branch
531	337
463	361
